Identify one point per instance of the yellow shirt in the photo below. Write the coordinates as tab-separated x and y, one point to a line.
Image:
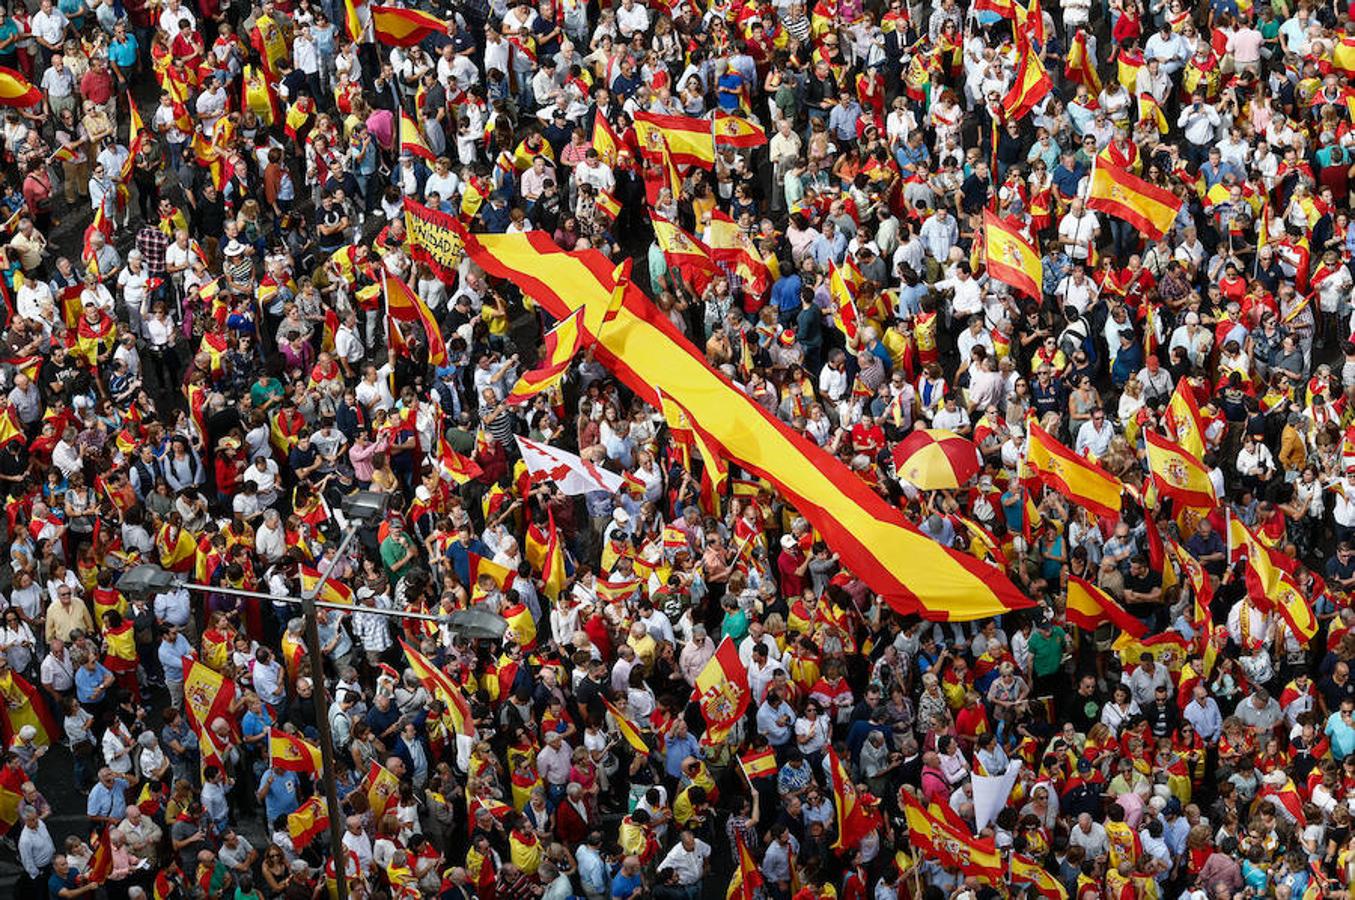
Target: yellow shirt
62	620
526	857
645	649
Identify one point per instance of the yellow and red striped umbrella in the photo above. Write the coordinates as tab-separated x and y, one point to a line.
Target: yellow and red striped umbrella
936	459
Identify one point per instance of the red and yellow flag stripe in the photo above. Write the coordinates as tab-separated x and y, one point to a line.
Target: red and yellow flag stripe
646	351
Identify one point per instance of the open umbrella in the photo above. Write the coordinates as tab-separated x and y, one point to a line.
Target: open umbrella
478	623
936	459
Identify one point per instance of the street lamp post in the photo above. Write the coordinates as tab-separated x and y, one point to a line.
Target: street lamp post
360	508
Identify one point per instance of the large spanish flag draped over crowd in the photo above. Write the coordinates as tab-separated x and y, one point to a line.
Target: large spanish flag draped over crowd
1124	195
1011	260
647	352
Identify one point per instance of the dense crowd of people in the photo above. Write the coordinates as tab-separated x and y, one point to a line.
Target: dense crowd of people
203	216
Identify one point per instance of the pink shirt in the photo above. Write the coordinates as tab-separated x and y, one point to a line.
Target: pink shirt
1245	45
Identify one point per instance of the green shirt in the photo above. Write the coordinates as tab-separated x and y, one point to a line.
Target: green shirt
259	394
391	552
1046	652
735	625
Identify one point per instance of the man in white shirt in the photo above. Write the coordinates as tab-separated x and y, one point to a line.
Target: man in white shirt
1077	290
952	416
967	299
833	379
1198	121
49	26
1168	48
595	172
689	858
1255	464
264	476
1078	231
630	18
1093	438
271	539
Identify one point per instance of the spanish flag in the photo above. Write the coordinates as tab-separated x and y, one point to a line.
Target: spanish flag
950	845
293	753
1034	20
758	764
1126	196
1076	478
722	691
396	26
1169	649
982	542
647	352
403	305
178	550
731	244
605	141
437	683
382	789
1010	259
215	346
1080	66
480	567
607	202
627	728
411	134
330	330
1176	473
1184	419
120	648
690	140
522	625
1151	110
352	23
736	131
1343	55
562	344
1265	567
1026	871
1032	81
747	878
101	860
687	435
857	815
16	91
12	780
452	466
845	314
662	174
683	252
10	429
25	706
310	820
1295	609
1089	607
208	696
546	554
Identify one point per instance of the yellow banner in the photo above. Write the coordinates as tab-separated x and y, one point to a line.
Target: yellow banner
433	239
